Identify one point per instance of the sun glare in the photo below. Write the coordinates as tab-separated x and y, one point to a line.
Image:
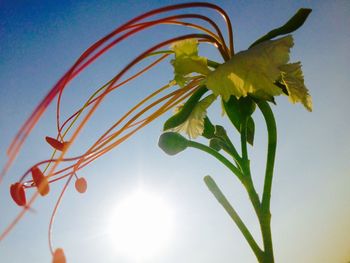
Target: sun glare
141	226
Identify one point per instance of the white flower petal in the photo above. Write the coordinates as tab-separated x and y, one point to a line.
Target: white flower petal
252	71
293	79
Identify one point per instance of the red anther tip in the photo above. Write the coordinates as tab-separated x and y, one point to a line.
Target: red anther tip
81	185
40	181
18	194
58	256
60	146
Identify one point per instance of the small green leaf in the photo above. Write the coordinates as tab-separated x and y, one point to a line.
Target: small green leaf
238	110
221	140
172	143
215	143
231	108
209	129
186	110
292	24
220	132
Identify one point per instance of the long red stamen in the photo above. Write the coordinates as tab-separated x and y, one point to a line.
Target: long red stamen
88	157
156	114
29	124
115	87
55	211
121	73
89	56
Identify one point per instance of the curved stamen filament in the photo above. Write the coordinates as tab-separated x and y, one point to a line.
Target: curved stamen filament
150	119
110	139
139	27
121	73
92	99
130	124
52	218
174	95
31	121
119	121
202	37
156	114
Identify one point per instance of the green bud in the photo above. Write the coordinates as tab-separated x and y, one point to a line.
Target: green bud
215	143
172	143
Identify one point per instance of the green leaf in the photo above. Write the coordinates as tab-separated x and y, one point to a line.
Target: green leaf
221	140
186	110
231	108
292	24
209	129
237	111
172	143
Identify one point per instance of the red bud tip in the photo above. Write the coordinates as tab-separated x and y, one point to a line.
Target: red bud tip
58	256
56	144
81	185
40	181
18	194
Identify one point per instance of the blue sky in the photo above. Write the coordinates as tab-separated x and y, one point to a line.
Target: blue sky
40	40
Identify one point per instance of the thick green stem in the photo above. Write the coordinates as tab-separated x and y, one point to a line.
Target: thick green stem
218	156
262	208
265	219
220	197
245	164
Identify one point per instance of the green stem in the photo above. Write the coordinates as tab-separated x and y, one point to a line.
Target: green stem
218	156
220	197
247	181
265	219
229	148
243	131
245	164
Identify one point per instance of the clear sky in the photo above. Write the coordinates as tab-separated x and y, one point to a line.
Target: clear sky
39	41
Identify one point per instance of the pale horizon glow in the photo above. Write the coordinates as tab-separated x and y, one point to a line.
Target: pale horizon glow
141	225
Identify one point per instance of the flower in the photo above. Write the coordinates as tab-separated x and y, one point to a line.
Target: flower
256	71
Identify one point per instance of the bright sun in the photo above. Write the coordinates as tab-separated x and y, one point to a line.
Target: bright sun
141	225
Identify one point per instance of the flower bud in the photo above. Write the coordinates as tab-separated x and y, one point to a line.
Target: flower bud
172	143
